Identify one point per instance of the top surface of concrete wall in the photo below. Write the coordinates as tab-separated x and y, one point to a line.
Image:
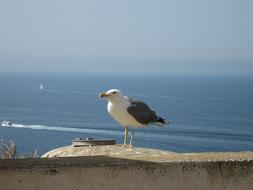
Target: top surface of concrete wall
129	169
154	155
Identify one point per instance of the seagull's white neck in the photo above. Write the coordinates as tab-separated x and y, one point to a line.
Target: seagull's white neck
123	100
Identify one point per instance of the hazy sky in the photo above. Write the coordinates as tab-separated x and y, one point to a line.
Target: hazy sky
168	36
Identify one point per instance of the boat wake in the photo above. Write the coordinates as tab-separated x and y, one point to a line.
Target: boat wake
82	130
64	129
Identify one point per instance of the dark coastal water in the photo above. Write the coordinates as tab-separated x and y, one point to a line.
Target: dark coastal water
206	113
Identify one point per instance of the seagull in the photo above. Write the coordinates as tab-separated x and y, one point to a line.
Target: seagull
130	113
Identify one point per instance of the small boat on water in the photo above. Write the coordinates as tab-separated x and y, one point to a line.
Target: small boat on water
41	86
6	124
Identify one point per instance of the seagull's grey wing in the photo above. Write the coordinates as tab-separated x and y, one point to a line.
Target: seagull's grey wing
141	112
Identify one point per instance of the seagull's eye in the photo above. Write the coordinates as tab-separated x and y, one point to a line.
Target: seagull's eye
114	93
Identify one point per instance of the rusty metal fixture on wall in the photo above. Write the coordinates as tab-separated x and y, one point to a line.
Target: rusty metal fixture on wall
77	142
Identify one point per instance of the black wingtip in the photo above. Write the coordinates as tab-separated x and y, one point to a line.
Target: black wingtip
162	121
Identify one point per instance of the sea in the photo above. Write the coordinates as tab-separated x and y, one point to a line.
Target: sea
206	113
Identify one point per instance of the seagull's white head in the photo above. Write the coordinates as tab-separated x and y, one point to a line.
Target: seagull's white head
113	95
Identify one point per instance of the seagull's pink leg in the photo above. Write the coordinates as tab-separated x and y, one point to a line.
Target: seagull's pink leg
126	136
131	139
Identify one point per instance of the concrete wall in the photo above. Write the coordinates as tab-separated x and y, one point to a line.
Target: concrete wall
105	173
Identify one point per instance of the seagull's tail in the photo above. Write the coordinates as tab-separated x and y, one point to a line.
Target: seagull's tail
161	122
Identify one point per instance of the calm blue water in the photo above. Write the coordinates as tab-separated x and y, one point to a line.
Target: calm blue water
207	113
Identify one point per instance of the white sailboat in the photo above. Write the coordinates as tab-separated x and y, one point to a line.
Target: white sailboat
41	86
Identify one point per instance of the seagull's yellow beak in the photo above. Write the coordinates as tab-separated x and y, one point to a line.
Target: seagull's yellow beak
103	95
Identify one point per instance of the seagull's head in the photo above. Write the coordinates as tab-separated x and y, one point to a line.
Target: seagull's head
112	95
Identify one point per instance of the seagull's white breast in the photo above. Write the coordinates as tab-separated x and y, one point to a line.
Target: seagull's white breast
119	112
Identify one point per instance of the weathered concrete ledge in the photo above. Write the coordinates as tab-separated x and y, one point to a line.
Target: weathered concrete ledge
145	154
130	169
